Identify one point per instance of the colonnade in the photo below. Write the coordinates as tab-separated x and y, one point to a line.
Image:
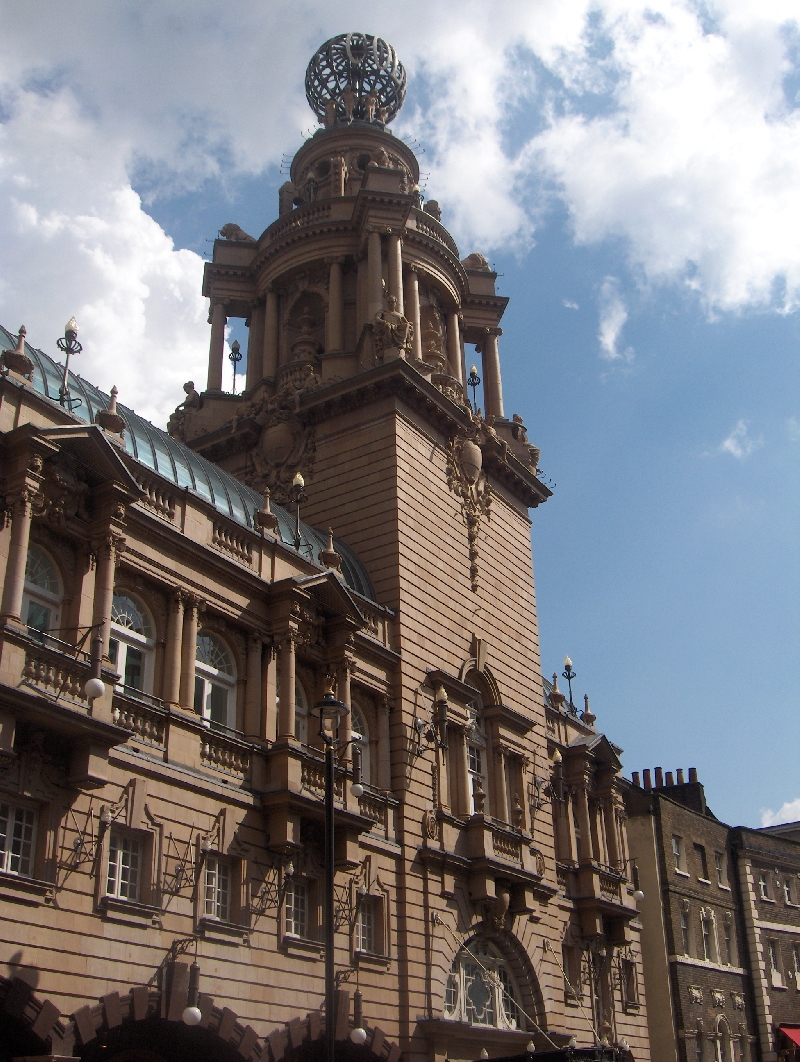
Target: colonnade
402	282
588	826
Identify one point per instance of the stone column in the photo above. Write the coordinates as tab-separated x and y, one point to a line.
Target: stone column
374	275
255	346
462	355
465	782
17	556
172	655
270	360
106	552
287	691
412	312
492	384
395	262
216	348
346	725
454	347
189	652
609	818
582	797
253	696
570	809
383	773
501	788
335	305
268	686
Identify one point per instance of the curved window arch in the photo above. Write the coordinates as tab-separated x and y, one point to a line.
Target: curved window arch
481	989
300	712
42	594
214	682
132	641
360	730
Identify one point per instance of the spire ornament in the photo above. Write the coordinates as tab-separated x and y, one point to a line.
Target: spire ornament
355	77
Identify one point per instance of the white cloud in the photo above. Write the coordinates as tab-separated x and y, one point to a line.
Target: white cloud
789	812
793	429
570	305
613	316
738	443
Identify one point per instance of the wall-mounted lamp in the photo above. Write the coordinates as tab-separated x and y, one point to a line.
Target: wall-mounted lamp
297	495
94	686
192	1014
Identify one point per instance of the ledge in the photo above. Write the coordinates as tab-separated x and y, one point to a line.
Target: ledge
129	913
301	948
223	932
29	891
370	959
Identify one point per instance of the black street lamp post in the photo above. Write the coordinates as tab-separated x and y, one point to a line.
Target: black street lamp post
331	712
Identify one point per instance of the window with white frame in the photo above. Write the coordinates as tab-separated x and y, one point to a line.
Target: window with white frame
729	958
571	961
17	838
131	645
708	936
367	924
685	936
788	890
360	731
629	982
476	771
774	961
297	907
124	865
217	888
481	990
41	598
763	885
721	866
678	852
215	682
796	960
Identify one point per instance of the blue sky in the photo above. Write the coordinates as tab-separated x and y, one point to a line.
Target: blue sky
632	172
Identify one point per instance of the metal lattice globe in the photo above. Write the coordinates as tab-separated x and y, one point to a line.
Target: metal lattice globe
355	77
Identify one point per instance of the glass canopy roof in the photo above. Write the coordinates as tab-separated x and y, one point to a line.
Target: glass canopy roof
154	449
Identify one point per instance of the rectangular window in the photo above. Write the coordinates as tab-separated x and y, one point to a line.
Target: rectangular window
677	851
17	833
763	885
365	927
774	960
707	929
796	958
788	894
702	862
217	889
570	960
296	908
728	936
721	866
124	861
685	931
630	987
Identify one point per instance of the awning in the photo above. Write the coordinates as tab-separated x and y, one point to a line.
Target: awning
792	1031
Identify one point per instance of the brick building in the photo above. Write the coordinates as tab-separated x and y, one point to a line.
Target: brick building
721	926
168	624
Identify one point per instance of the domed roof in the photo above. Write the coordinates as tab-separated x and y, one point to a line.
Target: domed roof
167	457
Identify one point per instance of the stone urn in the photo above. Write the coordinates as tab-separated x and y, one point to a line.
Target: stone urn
471	461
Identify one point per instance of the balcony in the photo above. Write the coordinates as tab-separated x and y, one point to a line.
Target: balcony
598	894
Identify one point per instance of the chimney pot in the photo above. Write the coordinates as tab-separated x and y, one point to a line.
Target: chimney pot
680	776
647	783
659	777
635	778
670	780
692	774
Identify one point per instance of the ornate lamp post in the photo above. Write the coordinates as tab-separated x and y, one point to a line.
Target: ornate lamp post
298	484
235	357
569	675
473	380
69	345
331	711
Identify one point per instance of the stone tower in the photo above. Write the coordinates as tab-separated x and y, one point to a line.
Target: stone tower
359	308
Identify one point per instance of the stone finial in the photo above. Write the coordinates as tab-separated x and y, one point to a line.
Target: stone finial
328	556
587	715
16	359
108	419
557	697
264	518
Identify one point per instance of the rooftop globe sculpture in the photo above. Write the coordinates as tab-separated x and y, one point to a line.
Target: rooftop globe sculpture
355	77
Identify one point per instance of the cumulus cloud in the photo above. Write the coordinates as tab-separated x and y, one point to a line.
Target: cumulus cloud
788	812
570	305
663	127
738	443
613	316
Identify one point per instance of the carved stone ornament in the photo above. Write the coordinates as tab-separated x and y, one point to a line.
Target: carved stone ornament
466	480
392	333
17	360
695	994
738	1000
717	997
64	491
285	445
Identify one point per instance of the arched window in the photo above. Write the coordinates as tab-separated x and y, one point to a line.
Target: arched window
360	730
130	647
300	713
41	598
481	989
215	682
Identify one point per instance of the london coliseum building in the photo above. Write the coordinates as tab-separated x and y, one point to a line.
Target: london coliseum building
168	624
